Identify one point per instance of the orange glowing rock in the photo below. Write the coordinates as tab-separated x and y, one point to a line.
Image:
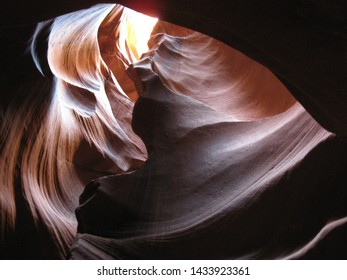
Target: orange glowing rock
183	149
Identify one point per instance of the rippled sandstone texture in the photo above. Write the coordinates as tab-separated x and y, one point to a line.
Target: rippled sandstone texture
234	162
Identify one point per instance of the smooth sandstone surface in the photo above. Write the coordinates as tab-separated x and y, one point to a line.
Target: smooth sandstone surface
229	143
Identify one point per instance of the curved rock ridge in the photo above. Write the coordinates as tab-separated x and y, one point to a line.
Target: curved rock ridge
192	150
204	182
222	78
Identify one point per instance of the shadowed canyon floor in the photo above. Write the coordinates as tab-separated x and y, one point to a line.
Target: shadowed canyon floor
220	146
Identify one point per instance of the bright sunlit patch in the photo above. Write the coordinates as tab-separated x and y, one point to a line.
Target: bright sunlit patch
139	28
